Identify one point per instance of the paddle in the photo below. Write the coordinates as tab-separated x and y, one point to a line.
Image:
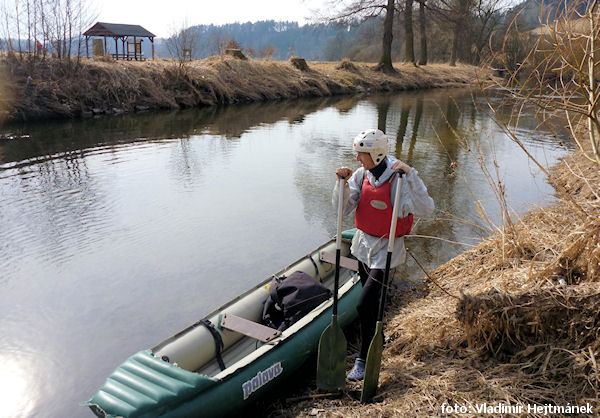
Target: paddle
331	360
373	364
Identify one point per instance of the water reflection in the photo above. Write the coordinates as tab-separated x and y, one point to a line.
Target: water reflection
19	389
404	112
56	139
444	136
118	231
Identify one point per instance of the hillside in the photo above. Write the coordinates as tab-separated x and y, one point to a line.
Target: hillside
324	42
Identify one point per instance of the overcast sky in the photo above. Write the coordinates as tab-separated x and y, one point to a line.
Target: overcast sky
161	16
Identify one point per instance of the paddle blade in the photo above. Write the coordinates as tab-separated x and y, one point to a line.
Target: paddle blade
373	365
331	360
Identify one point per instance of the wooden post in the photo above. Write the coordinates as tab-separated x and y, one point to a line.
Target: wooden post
105	46
116	49
152	40
87	50
135	47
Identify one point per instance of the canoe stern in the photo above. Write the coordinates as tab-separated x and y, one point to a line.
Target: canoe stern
144	382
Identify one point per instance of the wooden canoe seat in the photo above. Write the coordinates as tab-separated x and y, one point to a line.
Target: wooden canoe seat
345	262
250	328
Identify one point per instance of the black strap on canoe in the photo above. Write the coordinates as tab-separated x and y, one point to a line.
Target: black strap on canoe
315	265
218	341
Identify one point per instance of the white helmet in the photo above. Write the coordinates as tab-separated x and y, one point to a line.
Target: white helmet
373	141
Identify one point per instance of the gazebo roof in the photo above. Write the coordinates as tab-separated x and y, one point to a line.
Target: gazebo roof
118	30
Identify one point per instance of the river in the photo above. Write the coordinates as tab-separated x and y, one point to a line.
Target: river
117	232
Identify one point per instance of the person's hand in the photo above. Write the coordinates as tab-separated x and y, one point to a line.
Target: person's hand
401	165
343	172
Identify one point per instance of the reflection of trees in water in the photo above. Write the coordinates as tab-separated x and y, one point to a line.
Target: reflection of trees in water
400	134
346	104
382	113
315	177
52	165
429	169
60	150
446	188
54	137
233	121
415	130
185	163
53	140
64	207
428	154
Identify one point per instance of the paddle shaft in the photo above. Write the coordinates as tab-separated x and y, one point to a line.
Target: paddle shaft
373	361
392	238
338	244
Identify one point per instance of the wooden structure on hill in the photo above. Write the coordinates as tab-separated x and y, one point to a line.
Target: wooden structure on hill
132	35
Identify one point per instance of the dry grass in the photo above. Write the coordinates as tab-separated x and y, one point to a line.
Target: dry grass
514	334
6	99
49	88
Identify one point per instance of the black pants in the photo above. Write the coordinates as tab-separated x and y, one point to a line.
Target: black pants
368	305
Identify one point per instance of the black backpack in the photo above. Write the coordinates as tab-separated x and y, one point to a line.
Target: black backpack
291	298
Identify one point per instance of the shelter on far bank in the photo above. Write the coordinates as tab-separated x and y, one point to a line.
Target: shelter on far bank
132	35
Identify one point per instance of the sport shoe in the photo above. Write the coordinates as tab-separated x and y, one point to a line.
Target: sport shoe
358	371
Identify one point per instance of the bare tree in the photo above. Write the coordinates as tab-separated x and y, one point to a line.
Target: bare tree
18	26
560	73
423	33
217	43
385	62
409	47
59	24
267	52
455	15
5	31
487	18
471	21
347	11
183	42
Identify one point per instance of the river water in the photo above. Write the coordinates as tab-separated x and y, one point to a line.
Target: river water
117	232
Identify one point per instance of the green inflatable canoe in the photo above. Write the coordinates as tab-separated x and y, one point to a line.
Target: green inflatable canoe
227	360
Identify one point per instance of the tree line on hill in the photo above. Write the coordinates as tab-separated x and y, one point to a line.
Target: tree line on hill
417	31
274	39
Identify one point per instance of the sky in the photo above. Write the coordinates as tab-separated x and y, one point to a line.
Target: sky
162	17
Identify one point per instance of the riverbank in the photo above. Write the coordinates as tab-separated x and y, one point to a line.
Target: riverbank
514	328
50	89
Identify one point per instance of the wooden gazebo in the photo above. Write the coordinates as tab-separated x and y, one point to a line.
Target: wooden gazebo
130	34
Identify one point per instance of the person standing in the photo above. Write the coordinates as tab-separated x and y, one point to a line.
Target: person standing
370	190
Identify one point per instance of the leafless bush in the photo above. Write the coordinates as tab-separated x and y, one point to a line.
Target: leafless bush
559	73
182	43
37	28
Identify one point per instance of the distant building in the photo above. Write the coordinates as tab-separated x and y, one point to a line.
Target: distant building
131	37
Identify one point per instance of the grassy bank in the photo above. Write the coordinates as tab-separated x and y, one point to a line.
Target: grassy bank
516	324
53	89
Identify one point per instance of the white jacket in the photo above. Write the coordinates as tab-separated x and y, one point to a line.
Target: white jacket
414	199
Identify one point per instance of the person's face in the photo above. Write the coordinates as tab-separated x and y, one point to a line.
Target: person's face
365	159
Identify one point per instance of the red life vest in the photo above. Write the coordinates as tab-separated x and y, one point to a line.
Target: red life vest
374	211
